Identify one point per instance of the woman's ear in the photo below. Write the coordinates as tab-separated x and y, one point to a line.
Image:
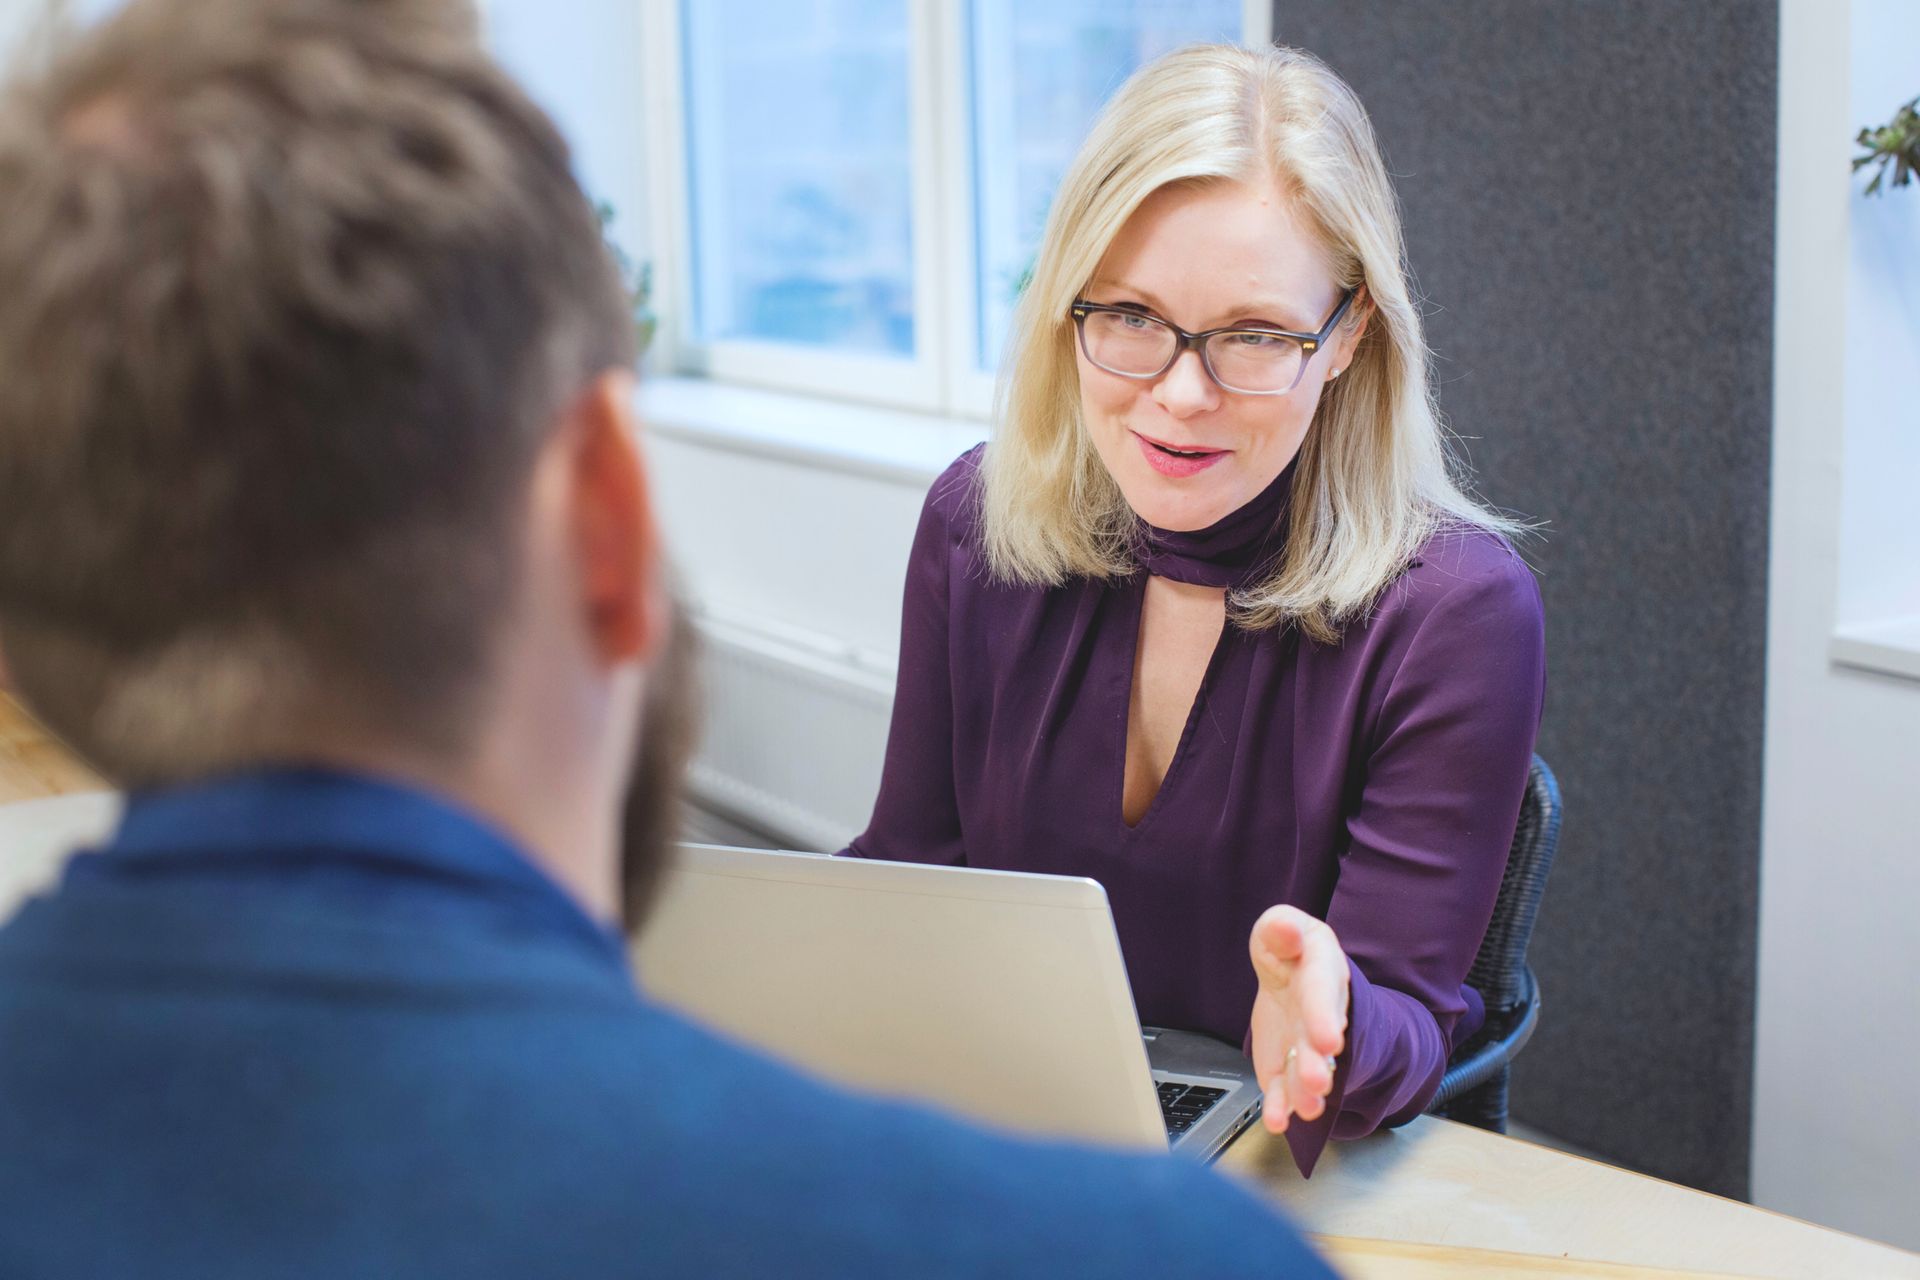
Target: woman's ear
1353	327
616	538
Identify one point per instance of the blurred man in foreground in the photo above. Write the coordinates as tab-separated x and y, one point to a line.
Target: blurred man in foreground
324	528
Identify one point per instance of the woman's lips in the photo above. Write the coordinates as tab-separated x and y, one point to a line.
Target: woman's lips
1178	463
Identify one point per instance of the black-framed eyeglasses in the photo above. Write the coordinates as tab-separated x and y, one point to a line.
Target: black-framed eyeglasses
1251	361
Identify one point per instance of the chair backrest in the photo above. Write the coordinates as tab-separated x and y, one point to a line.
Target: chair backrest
1499	971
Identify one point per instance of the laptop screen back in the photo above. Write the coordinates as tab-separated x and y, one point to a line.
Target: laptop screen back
999	996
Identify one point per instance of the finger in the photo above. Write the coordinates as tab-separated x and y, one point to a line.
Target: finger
1313	1072
1309	1079
1278	940
1277	934
1275	1110
1274	1030
1324	981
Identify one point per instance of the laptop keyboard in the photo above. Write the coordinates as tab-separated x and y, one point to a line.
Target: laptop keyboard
1182	1105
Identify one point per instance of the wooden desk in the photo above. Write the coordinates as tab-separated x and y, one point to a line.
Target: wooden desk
33	763
1435	1182
1433	1201
1386	1260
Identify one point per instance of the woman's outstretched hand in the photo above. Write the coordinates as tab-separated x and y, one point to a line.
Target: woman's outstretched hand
1299	1015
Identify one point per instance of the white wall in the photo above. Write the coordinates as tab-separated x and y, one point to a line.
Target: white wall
795	560
581	61
20	21
1836	1107
797	572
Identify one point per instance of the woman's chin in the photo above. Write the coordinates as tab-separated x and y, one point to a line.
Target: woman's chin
1180	511
1181	517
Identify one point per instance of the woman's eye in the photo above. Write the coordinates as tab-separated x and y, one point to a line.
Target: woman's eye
1135	322
1257	341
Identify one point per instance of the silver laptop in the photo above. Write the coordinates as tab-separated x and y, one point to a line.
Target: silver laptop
997	995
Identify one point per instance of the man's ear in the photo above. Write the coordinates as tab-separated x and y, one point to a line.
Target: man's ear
622	574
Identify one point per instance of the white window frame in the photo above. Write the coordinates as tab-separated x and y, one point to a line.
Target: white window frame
941	377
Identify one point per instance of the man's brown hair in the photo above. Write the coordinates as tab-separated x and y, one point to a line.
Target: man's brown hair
290	292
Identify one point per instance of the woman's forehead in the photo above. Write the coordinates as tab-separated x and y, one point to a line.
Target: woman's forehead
1219	251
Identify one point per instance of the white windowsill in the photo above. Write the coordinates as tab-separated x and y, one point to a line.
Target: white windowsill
888	444
1891	647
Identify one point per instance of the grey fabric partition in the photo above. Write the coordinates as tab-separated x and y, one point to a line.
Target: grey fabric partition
1590	207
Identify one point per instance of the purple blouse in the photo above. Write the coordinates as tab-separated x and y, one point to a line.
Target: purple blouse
1374	783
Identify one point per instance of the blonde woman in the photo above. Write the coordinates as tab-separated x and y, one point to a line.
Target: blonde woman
1210	620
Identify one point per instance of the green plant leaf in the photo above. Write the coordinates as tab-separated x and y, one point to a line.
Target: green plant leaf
1894	145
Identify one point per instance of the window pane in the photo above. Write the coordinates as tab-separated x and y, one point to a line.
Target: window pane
797	131
1041	72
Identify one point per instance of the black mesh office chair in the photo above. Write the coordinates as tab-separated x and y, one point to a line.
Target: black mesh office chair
1474	1089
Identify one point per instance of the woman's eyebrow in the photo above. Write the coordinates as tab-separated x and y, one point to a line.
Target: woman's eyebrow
1123	287
1269	311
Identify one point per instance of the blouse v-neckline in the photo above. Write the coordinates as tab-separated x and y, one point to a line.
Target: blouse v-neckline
1182	748
1232	553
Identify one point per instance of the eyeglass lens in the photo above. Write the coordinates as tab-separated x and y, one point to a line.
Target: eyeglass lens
1142	346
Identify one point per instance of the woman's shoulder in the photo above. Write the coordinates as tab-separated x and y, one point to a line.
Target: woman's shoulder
1462	565
956	486
954	497
1459	552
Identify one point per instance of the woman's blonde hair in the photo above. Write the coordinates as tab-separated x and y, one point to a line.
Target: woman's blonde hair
1373	480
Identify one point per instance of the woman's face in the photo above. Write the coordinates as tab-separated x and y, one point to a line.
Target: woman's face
1183	450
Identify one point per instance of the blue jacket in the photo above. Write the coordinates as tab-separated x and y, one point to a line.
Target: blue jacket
304	1024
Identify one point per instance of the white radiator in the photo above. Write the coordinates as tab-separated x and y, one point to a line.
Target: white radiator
796	725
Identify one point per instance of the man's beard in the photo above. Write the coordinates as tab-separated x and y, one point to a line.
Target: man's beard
669	726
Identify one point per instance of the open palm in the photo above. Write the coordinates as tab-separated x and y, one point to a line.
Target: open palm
1299	1014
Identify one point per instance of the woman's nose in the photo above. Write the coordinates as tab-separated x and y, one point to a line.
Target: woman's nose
1186	388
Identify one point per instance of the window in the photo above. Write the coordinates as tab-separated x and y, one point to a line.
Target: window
849	192
798	164
1878	620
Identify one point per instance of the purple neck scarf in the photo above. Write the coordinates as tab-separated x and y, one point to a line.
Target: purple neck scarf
1235	551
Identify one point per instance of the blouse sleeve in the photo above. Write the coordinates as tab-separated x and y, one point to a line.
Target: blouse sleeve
1445	774
916	817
